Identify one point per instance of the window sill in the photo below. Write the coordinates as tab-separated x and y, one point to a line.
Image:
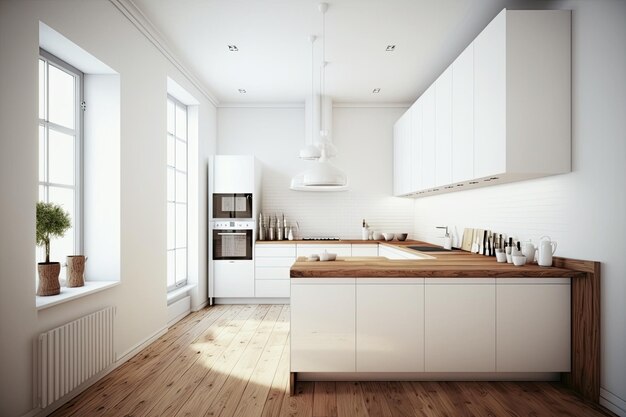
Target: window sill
68	294
178	292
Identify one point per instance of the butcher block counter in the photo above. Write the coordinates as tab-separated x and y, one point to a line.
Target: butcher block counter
445	264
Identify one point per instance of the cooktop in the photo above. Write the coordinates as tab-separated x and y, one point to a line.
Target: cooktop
320	238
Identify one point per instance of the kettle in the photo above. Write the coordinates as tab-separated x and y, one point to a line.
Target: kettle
528	250
546	249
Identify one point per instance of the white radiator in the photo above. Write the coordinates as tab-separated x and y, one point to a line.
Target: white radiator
71	354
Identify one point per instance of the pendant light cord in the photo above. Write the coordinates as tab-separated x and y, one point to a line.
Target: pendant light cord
312	90
323	75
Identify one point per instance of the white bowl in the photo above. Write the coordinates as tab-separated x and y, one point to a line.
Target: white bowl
402	236
326	256
388	236
519	260
500	256
313	258
377	236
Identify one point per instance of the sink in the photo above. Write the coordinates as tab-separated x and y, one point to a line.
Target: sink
431	249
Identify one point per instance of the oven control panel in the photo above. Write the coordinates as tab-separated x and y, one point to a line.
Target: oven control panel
226	224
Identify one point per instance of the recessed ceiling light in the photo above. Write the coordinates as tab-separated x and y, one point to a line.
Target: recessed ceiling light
233	48
390	48
242	91
376	90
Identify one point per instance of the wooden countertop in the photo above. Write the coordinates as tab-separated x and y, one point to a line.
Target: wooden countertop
333	242
456	264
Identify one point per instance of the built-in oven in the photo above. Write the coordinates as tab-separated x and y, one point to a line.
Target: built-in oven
232	206
233	240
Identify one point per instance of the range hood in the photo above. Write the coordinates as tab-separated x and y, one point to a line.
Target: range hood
323	175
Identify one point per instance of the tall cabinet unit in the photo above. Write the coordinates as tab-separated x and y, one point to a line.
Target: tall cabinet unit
501	112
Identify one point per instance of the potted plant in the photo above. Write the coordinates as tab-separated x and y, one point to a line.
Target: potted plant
52	221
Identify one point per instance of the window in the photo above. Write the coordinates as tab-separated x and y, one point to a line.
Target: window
176	193
60	150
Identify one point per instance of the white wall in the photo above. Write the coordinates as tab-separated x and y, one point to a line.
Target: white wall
363	137
584	211
99	28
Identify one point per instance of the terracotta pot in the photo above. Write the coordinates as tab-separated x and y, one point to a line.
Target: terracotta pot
75	271
49	278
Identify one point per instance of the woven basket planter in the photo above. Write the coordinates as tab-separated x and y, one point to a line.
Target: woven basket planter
75	271
49	278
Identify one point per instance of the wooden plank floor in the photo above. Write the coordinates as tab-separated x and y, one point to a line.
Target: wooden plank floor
233	361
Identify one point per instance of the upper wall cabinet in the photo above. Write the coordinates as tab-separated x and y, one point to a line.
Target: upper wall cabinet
501	112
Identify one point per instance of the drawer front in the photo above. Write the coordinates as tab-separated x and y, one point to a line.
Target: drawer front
275	262
275	288
272	273
340	250
364	250
279	251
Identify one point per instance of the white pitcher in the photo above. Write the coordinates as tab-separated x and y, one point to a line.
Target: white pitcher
528	250
546	249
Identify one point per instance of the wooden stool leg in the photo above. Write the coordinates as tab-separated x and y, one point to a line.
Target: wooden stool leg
292	383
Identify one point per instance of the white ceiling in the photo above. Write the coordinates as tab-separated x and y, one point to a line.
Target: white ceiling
273	63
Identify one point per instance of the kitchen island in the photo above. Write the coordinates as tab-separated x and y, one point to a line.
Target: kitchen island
447	315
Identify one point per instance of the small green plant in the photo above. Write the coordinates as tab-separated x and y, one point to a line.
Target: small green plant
52	221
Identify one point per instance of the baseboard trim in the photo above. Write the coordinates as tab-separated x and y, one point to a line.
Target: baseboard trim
428	376
200	306
42	412
612	402
251	300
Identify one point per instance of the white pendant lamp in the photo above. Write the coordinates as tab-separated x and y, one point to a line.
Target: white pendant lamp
323	175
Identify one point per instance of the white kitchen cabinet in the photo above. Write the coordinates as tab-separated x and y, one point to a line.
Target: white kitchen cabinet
490	99
443	128
233	279
402	154
533	330
272	288
390	325
364	249
271	272
460	325
341	249
509	118
428	138
234	174
463	116
416	146
323	325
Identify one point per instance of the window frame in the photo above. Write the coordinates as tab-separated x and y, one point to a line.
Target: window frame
77	132
177	103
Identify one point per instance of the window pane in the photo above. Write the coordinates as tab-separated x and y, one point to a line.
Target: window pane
61	247
181	122
171	187
171	114
42	193
61	157
171	224
42	154
171	151
171	268
60	97
181	155
181	265
181	225
42	88
181	187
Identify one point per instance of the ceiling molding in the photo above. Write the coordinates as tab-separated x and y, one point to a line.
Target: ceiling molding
143	24
262	105
373	105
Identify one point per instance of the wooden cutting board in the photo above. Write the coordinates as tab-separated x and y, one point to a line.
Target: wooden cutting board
468	237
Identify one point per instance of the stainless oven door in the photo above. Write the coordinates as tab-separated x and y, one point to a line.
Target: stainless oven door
232	244
232	206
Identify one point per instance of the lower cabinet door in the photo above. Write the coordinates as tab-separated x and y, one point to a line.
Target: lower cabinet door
533	327
233	279
323	327
390	327
460	325
273	288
